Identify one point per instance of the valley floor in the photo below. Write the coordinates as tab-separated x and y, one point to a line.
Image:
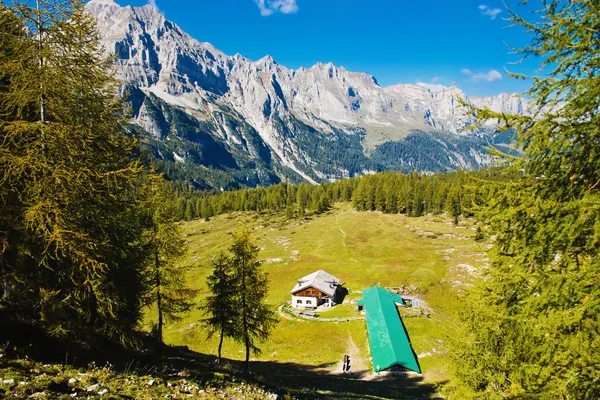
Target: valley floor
362	249
302	359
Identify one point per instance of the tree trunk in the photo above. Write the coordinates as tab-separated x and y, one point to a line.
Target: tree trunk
159	326
92	306
4	286
245	313
247	355
220	346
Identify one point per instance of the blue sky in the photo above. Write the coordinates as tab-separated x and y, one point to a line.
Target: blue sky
460	42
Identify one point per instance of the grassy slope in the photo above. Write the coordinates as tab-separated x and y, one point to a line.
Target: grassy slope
360	248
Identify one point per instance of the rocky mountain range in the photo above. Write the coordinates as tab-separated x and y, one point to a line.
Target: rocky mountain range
226	121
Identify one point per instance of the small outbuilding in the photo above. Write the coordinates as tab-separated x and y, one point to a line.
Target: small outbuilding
316	289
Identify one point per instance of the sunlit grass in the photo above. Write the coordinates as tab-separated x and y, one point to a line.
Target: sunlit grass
362	249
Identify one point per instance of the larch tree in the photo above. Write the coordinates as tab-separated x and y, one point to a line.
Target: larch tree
453	204
221	307
11	27
301	200
165	248
68	176
531	327
255	318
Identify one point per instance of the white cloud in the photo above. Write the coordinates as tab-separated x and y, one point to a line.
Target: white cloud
489	76
489	12
269	7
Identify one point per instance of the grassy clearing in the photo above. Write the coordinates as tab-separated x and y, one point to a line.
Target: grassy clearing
362	249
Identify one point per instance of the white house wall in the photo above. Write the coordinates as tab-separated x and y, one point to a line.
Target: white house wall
313	301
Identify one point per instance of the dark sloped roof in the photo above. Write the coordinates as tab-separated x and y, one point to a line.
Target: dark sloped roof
388	338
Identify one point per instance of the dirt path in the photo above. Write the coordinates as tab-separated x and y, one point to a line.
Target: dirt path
337	221
359	366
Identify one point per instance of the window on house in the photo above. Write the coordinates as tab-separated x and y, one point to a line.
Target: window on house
308	302
299	302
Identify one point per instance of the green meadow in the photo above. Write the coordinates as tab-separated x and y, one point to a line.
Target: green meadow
362	249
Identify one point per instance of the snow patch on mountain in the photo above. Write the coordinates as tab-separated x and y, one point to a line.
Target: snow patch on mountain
178	158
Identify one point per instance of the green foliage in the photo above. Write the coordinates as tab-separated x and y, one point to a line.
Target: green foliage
459	194
362	249
71	258
163	241
479	234
238	288
255	319
220	308
531	330
453	204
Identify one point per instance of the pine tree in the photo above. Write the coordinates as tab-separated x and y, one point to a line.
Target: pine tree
190	212
391	202
379	202
531	330
166	247
359	197
11	28
453	204
323	204
289	211
181	208
221	307
255	319
67	176
301	199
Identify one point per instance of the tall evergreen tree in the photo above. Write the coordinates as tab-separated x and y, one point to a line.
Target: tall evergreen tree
190	211
301	199
68	179
256	319
165	246
359	197
221	307
182	208
532	330
453	204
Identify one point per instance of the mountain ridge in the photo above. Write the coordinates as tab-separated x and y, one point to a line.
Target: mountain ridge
276	122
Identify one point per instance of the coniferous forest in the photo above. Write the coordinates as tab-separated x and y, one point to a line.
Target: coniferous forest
90	238
413	194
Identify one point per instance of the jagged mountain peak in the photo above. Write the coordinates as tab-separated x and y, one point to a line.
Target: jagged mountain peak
268	100
266	60
104	2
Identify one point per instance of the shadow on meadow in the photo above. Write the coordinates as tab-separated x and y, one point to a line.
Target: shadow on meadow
310	382
169	364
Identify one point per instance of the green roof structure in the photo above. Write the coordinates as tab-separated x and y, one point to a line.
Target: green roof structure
390	345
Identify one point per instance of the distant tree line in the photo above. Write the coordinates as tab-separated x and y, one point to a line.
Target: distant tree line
458	194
